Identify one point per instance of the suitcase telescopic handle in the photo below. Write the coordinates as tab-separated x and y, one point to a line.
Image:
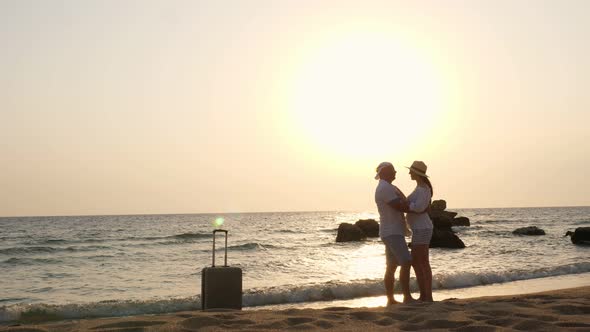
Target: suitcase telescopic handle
223	231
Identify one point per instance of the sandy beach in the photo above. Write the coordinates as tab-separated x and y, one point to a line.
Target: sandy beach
566	309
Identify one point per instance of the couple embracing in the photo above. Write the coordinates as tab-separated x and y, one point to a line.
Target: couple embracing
392	204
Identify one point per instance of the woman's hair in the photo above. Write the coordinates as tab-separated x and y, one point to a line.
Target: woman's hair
429	184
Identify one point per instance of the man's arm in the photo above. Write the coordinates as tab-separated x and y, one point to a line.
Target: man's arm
400	204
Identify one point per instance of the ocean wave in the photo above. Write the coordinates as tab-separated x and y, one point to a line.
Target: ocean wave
251	246
100	256
492	233
288	231
191	236
496	221
86	248
15	237
41	249
47	312
26	250
240	247
33	241
327	291
12	299
182	237
335	290
49	241
470	279
30	261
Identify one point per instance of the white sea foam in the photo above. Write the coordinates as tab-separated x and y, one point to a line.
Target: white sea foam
35	312
470	279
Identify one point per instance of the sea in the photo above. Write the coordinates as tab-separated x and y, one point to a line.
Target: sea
99	266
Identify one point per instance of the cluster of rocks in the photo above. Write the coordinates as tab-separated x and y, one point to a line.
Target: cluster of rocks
361	230
443	235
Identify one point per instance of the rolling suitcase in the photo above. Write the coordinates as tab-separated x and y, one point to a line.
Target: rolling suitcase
221	286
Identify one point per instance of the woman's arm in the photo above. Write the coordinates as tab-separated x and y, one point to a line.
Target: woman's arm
419	202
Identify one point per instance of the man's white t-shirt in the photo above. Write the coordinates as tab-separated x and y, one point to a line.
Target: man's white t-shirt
391	221
419	200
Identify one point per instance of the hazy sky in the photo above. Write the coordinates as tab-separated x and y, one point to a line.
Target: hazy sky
125	107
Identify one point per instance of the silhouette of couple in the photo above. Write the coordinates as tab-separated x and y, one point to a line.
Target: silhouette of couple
392	204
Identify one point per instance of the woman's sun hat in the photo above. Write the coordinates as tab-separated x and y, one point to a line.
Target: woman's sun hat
418	167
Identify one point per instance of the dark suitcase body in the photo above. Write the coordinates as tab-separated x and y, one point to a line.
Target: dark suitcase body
221	286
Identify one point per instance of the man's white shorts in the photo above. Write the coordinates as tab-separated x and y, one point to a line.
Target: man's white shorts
396	250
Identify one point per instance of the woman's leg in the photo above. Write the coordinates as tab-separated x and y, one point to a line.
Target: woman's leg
427	276
418	269
421	251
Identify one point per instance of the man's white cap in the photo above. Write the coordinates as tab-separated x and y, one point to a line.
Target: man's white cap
381	166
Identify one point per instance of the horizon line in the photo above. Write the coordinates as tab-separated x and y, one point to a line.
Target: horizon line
261	212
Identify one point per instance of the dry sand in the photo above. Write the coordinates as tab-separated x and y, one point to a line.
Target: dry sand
561	310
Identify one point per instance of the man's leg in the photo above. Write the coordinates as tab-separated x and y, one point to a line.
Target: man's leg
404	279
397	249
389	281
389	278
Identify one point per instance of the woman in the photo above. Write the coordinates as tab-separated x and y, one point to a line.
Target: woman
418	203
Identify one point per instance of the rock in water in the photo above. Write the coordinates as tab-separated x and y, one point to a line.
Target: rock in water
442	219
461	221
438	205
445	239
531	230
443	235
580	236
369	226
349	232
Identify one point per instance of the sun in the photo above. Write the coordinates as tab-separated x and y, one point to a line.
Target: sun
364	95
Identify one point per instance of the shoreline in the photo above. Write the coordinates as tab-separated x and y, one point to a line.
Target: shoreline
563	309
518	287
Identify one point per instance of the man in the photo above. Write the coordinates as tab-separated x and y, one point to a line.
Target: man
392	228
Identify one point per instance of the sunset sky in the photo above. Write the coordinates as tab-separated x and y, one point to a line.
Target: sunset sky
139	107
